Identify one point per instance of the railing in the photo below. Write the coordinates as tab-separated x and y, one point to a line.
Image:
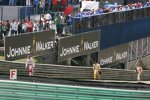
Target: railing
94	21
30	91
19	12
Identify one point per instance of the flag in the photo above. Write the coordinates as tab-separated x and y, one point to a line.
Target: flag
68	10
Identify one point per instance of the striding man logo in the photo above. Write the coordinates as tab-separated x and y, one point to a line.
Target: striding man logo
33	45
82	43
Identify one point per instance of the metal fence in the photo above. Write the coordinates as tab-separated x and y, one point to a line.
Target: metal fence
19	12
89	22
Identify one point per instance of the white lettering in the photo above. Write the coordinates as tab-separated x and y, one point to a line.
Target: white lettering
44	46
70	50
120	56
18	51
89	46
106	60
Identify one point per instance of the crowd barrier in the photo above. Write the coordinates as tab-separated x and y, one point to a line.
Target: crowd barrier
93	21
19	12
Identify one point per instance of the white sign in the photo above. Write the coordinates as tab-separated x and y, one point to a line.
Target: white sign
13	74
90	5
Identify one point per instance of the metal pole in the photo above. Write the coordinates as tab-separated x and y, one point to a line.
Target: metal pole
19	13
1	21
16	3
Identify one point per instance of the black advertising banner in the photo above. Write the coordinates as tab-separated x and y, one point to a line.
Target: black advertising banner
19	46
114	54
78	45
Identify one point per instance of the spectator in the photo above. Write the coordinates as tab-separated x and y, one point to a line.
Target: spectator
49	2
42	21
62	24
12	2
14	27
4	29
35	4
24	27
7	27
47	5
46	24
139	70
41	25
80	3
29	25
42	6
70	22
35	26
67	24
47	18
28	2
96	69
30	65
20	27
57	23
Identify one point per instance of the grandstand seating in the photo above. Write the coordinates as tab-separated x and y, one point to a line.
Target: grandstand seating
72	72
34	91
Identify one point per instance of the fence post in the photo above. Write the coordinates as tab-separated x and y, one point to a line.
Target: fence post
19	13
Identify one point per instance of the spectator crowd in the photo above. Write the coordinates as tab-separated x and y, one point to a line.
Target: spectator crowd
45	2
108	8
61	23
46	22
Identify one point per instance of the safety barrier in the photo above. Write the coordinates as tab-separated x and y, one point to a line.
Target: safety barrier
35	91
19	12
72	72
93	21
